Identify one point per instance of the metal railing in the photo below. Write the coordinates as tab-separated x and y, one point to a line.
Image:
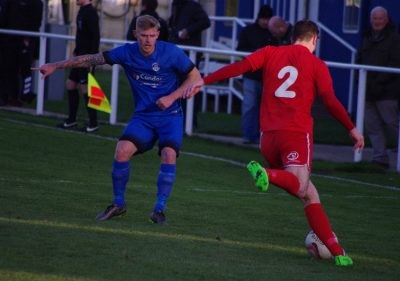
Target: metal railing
352	61
229	90
362	80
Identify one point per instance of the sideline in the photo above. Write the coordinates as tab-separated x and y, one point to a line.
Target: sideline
204	156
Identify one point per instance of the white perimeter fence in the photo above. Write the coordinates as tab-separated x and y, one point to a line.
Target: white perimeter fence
362	80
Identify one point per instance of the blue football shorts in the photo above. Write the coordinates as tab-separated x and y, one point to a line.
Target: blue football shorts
144	131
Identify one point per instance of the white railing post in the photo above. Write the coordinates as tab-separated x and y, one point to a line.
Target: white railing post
351	84
40	93
362	83
205	69
190	104
114	94
398	153
230	83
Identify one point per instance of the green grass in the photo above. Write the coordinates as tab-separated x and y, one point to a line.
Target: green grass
220	228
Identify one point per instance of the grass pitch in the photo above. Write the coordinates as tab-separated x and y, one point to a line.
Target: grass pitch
220	227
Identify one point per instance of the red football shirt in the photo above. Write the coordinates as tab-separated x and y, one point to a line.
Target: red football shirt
292	78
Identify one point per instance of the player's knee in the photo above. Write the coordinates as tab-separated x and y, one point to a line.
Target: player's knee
168	155
124	151
302	193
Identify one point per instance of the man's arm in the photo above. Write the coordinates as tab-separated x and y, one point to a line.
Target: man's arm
337	110
83	61
200	20
167	101
228	71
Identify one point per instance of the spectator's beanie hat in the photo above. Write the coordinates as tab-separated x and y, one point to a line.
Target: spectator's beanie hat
265	12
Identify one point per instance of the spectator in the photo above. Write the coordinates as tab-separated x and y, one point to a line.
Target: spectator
149	8
87	41
3	97
188	20
18	51
153	69
281	30
292	78
251	38
380	46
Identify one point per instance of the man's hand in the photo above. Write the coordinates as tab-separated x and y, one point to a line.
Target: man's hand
46	69
358	140
165	102
183	34
193	89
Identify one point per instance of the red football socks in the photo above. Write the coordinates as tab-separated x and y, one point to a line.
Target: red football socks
284	180
319	223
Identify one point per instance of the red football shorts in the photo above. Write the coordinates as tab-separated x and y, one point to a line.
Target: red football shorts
287	148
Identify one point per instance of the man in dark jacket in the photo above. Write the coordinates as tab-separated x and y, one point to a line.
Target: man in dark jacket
281	31
380	46
188	20
149	8
18	51
87	41
251	38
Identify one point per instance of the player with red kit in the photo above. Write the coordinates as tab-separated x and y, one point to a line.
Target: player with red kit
292	78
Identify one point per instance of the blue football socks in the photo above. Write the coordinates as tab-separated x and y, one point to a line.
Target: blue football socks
166	179
120	177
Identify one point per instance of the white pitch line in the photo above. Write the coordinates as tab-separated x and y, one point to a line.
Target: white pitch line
209	157
317	175
358	182
283	194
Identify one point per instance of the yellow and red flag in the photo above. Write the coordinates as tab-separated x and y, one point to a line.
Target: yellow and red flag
97	99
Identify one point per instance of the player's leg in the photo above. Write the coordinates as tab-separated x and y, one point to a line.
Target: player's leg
165	180
92	126
281	149
137	138
120	177
319	223
170	132
73	100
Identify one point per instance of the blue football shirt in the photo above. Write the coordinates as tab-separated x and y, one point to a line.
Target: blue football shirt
154	76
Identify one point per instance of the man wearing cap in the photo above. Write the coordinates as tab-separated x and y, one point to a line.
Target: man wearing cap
251	38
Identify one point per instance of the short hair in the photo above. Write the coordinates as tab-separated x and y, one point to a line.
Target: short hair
150	4
304	30
146	22
379	9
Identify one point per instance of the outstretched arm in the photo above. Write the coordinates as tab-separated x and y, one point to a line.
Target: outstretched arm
228	71
83	61
167	101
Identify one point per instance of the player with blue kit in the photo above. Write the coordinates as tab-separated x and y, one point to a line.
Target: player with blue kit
154	69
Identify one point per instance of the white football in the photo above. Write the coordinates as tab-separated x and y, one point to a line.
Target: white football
315	247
